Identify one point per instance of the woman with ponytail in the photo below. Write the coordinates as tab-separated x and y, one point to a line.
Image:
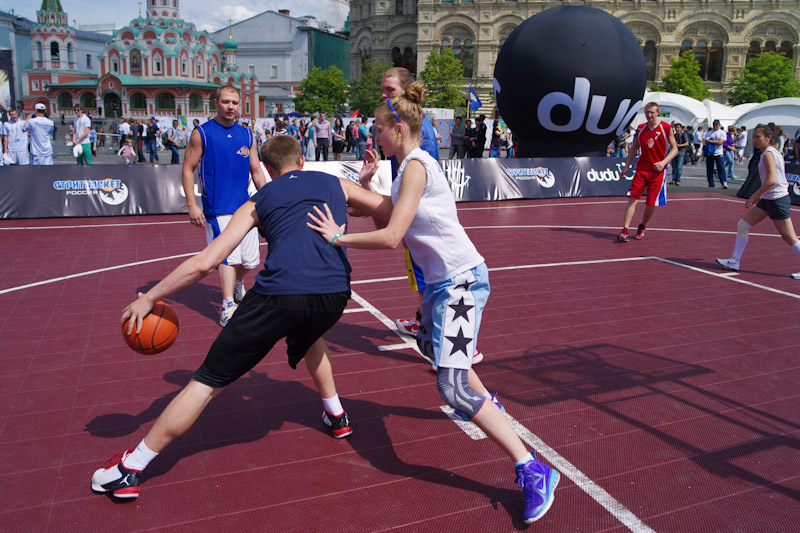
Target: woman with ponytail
423	215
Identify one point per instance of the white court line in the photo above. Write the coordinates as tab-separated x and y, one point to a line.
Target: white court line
91	226
386	321
595	491
359	310
678	230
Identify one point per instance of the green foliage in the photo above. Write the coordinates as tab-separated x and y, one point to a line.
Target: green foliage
683	78
323	91
766	76
442	77
365	94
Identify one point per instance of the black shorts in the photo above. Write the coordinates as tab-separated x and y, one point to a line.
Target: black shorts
260	322
777	209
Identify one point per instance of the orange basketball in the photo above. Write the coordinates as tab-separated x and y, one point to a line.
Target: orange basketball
159	331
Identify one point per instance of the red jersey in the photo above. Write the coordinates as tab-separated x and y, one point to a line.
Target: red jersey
654	145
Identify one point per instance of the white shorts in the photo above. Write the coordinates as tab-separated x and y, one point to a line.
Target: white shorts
41	160
246	253
19	158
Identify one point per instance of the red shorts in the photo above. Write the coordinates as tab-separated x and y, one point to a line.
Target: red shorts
650	179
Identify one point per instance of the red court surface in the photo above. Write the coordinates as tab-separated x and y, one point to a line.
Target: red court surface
664	389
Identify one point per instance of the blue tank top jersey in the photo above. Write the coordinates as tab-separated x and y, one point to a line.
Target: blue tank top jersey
299	260
224	167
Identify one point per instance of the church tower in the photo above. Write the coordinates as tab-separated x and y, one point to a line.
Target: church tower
169	9
53	39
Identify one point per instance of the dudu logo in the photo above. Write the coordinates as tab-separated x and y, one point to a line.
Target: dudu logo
578	104
605	175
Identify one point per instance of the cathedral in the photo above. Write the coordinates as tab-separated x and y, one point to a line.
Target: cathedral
157	64
722	34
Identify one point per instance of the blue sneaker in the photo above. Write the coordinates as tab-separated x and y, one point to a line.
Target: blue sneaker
495	401
538	482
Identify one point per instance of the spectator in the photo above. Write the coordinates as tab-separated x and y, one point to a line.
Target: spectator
682	142
93	139
698	143
714	140
173	140
80	136
494	146
469	137
480	136
741	142
127	152
363	137
729	151
150	140
40	128
339	137
457	140
323	136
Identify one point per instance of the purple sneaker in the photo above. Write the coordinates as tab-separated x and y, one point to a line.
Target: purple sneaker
538	483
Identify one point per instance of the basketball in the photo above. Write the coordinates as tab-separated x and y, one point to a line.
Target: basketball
159	331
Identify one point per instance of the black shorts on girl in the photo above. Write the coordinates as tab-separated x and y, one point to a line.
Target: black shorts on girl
259	323
777	209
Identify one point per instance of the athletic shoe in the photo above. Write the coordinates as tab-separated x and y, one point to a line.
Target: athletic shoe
731	263
724	185
796	275
239	291
340	425
477	358
639	232
678	183
538	483
226	313
115	478
495	401
623	236
408	327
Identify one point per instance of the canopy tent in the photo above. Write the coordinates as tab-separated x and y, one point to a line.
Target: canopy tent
675	108
784	112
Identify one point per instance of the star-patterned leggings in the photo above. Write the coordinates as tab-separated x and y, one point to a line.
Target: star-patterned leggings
451	317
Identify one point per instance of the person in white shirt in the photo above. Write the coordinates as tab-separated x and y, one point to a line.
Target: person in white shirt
15	142
80	135
124	131
41	129
713	150
741	142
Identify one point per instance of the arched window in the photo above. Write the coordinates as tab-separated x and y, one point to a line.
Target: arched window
54	51
753	51
786	49
398	7
165	101
64	101
137	101
195	102
769	46
157	64
88	101
410	60
70	54
39	53
714	72
136	61
505	31
397	57
461	39
709	58
649	50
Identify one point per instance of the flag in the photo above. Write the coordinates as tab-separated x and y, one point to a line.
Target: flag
355	113
474	102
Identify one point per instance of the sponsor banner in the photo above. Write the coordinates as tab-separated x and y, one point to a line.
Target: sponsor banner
115	190
474	180
793	177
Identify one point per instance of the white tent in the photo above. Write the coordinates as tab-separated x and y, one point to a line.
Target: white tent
675	108
784	112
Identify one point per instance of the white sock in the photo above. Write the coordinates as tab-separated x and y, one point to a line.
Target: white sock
333	405
488	395
140	457
796	248
227	301
738	248
240	283
525	459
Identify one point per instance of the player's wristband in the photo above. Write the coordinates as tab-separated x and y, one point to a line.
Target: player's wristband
335	237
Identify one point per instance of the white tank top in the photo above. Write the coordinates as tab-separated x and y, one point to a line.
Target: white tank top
781	187
435	238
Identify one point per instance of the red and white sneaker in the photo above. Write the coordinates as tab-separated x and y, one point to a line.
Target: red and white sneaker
121	482
639	232
623	236
340	425
407	327
477	358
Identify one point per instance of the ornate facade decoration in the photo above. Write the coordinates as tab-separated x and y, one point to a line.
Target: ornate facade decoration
722	34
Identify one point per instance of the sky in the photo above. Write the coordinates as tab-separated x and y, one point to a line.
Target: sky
211	15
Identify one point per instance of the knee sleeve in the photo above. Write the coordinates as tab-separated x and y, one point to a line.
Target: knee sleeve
454	389
743	229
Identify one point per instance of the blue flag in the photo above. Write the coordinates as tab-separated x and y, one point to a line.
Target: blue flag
474	102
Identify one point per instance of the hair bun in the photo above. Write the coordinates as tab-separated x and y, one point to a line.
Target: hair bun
415	93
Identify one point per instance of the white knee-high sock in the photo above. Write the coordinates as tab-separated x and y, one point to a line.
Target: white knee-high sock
738	247
333	405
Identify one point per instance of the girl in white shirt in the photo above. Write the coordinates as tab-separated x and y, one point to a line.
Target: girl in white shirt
770	200
423	214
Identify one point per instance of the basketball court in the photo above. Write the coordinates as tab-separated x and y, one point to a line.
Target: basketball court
664	389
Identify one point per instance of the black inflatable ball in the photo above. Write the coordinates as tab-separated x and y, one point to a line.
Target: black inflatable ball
568	80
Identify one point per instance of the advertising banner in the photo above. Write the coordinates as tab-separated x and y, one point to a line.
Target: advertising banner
116	190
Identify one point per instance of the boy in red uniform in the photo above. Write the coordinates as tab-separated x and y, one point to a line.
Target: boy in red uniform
657	142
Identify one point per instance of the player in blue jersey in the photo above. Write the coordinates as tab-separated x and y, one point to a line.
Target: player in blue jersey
299	295
226	155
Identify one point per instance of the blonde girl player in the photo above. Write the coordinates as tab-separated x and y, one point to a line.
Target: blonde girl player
457	283
770	200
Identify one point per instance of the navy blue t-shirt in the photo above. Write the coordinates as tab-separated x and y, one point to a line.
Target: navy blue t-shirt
299	260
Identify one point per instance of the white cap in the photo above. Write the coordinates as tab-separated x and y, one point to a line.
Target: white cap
40	107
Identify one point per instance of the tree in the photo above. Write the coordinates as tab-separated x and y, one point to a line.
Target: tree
766	76
683	78
442	77
322	91
365	94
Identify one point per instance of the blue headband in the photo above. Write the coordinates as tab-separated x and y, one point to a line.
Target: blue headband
389	101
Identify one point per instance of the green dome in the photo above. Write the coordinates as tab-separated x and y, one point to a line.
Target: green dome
230	43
